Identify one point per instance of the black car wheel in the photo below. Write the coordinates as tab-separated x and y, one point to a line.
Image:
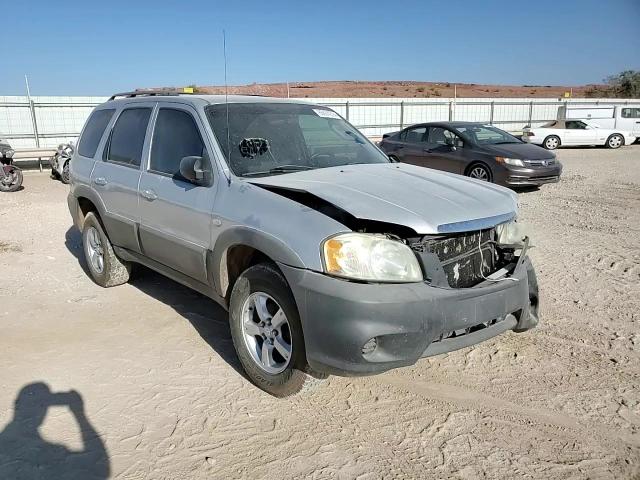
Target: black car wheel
11	180
480	171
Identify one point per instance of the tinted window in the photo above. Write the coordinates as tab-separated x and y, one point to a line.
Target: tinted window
414	135
127	136
92	134
575	125
631	113
175	136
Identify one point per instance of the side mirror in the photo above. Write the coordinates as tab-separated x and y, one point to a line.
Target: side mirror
194	170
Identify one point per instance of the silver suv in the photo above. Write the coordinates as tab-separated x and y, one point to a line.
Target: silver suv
330	258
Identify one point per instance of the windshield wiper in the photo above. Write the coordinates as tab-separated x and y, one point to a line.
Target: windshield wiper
279	169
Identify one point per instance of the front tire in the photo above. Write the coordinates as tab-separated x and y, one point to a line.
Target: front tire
106	269
65	178
615	141
12	180
551	142
480	171
267	333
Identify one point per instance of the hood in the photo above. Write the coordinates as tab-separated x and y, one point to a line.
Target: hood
425	200
524	151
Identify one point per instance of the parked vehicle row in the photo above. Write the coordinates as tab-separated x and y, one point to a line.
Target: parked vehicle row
478	151
576	132
60	162
330	258
624	118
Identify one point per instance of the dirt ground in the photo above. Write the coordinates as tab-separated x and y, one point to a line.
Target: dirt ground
159	393
368	89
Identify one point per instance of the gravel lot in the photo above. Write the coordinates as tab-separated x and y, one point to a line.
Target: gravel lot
160	394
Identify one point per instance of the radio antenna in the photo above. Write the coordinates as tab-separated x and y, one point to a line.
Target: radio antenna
226	99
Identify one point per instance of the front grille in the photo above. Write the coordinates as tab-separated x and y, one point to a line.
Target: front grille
460	258
540	163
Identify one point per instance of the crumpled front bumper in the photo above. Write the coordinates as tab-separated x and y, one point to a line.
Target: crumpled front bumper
408	321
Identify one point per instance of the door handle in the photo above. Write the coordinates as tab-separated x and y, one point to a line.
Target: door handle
100	181
149	195
428	150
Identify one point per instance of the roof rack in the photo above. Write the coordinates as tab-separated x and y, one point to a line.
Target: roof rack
148	93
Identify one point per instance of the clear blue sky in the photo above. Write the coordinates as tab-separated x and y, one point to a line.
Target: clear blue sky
84	47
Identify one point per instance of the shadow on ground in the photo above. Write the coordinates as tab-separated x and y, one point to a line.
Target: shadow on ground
209	319
24	454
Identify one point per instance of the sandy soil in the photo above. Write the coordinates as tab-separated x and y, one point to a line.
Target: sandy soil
364	89
160	395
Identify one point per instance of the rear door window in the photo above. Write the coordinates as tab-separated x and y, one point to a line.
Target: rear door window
127	137
415	135
93	132
175	136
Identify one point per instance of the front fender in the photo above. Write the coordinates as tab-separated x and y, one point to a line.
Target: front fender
271	246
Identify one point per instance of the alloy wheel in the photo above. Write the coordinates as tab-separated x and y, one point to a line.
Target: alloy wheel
95	250
479	173
551	143
266	333
615	141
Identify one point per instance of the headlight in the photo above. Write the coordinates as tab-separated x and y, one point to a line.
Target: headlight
511	233
9	153
363	256
516	162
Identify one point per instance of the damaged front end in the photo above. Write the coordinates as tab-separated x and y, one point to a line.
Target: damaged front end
463	260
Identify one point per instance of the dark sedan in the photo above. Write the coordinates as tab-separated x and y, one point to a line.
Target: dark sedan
479	151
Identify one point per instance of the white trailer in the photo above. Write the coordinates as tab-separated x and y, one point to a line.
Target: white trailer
621	117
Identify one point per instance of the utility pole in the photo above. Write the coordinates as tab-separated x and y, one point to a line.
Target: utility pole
288	93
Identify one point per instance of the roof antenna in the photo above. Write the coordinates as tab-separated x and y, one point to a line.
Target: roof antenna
226	100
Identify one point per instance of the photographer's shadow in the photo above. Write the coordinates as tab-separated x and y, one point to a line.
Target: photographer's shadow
24	454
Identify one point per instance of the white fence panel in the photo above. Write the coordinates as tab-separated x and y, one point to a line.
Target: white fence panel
60	119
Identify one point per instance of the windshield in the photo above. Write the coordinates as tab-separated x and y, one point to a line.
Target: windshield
487	135
275	138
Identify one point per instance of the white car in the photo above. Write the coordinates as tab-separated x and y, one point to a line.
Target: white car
575	132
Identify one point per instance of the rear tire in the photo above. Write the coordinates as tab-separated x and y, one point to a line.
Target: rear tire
615	141
259	296
551	142
106	269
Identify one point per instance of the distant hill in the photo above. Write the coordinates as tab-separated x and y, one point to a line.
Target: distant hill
364	89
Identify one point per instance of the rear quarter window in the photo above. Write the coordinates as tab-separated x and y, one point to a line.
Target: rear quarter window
93	132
